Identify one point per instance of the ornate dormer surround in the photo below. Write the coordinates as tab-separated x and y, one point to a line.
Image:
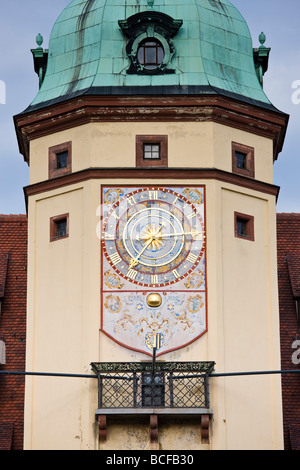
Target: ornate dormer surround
153	26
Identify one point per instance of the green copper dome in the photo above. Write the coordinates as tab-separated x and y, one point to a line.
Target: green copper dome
201	47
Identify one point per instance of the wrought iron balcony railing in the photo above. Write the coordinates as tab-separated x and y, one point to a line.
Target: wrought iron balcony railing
171	385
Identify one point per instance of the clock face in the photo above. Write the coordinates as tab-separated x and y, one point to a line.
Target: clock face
153	236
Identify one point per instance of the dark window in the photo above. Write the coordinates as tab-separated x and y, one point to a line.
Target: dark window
153	390
151	151
62	160
244	226
241	160
59	227
150	54
241	227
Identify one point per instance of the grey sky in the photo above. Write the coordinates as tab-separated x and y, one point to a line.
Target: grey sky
22	20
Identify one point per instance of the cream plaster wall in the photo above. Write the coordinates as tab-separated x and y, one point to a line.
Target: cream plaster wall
63	323
108	145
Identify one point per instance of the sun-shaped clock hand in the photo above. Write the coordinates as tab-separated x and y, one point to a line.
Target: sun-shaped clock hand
135	261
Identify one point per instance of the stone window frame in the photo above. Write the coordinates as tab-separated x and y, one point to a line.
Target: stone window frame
150	25
162	140
249	220
53	227
249	171
55	172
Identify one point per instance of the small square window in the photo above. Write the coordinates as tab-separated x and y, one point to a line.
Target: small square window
244	226
59	227
151	150
243	160
60	160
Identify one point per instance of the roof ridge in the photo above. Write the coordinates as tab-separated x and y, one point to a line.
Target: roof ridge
288	214
12	216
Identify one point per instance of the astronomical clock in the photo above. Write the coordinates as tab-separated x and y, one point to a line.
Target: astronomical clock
153	248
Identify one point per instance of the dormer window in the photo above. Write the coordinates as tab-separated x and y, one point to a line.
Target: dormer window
150	47
150	54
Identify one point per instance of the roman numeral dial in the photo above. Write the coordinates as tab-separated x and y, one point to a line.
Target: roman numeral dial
154	236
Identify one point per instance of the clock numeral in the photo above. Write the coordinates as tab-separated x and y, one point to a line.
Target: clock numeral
109	236
198	236
115	258
154	279
153	194
132	274
113	214
192	258
191	216
131	200
175	200
176	275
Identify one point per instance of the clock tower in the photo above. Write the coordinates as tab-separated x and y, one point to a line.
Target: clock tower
153	247
151	231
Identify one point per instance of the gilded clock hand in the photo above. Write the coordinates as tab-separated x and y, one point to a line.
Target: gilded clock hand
194	234
134	261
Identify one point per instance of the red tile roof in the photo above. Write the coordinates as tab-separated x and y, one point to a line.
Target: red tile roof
288	244
294	432
6	435
13	286
293	262
3	271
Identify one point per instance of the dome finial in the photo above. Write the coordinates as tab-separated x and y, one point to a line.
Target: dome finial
40	58
150	3
262	39
39	39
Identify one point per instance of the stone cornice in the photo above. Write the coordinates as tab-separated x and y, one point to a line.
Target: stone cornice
151	174
164	108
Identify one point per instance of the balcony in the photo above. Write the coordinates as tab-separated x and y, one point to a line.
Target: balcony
161	388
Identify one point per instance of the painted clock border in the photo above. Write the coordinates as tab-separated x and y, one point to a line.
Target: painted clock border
145	235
